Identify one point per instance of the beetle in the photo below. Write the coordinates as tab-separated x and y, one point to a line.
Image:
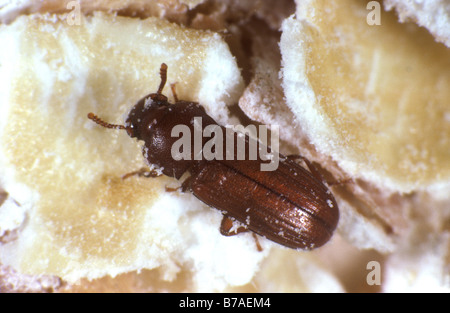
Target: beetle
291	205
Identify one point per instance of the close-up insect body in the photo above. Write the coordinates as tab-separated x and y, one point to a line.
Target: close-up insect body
289	205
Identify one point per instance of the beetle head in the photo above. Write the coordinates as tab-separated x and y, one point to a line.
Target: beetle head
145	109
139	117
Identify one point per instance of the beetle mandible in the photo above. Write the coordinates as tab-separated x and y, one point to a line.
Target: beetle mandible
290	205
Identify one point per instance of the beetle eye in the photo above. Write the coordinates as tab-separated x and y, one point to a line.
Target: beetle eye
130	131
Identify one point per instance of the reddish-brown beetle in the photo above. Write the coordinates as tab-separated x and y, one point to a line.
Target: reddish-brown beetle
290	205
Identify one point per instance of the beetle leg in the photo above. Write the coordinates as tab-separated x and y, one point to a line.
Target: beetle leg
227	228
186	185
174	93
311	167
173	189
258	246
339	182
316	172
143	172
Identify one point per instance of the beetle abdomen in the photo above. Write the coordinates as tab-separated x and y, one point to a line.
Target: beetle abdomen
264	202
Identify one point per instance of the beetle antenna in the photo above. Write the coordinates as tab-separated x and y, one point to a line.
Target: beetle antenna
101	122
163	74
174	92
